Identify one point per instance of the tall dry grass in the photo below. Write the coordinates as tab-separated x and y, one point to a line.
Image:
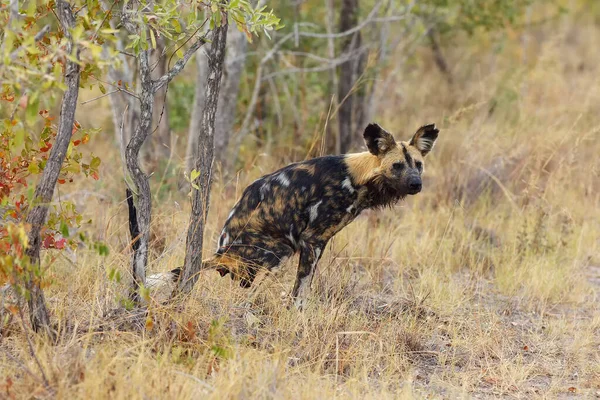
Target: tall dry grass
485	284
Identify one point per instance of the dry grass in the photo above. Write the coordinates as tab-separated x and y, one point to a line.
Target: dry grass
484	285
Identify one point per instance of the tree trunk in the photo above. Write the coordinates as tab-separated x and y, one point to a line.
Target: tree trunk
124	107
204	163
161	138
348	19
440	60
140	179
197	111
40	318
360	116
332	139
235	59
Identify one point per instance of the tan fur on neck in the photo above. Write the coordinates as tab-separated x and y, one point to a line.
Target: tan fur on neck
362	166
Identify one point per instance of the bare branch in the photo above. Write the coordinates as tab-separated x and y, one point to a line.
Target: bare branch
328	64
117	88
179	65
99	97
347	32
126	53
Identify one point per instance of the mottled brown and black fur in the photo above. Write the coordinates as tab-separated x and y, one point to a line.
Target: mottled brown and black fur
300	207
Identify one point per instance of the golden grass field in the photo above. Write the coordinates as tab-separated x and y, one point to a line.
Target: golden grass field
485	285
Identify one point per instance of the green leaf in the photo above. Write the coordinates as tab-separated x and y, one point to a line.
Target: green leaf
102	88
102	249
30	193
218	18
95	163
33	168
144	293
19	137
153	38
64	229
73	167
176	25
31	8
31	111
194	175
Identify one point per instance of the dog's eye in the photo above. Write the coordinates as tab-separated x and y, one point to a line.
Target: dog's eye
419	165
398	166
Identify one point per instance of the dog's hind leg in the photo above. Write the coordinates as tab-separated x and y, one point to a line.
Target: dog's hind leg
310	254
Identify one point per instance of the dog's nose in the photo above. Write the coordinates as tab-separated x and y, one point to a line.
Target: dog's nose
415	185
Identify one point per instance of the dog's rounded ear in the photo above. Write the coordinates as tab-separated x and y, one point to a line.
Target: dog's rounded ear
425	138
378	140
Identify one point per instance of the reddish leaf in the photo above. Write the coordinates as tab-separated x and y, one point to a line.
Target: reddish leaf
76	142
60	244
61	181
46	148
95	175
48	242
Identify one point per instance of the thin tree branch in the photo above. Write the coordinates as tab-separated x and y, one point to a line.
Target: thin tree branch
179	65
329	64
99	97
103	21
117	88
347	32
127	53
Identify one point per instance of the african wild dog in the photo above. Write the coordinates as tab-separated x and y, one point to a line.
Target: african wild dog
300	207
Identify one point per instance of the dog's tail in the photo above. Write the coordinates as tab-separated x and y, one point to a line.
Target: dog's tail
222	264
157	281
160	279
